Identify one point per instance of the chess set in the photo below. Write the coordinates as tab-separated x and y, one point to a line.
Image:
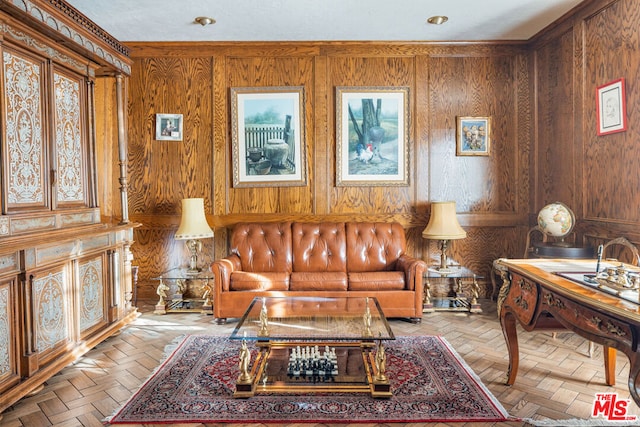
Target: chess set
310	364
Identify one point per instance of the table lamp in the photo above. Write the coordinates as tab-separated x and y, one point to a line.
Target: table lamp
443	226
193	227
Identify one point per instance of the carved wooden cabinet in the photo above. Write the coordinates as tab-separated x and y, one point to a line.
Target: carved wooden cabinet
46	159
9	345
65	270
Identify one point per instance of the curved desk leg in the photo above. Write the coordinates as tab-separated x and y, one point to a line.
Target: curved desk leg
508	322
609	365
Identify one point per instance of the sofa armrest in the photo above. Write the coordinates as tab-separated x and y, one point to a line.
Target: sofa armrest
222	269
414	270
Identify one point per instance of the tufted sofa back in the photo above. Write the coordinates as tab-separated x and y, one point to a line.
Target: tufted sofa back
374	246
319	247
263	247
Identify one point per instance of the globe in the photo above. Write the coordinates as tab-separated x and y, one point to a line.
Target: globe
556	220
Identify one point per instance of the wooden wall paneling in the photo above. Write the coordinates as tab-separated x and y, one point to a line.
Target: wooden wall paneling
164	172
321	157
419	164
261	71
156	251
221	128
320	67
372	72
612	42
526	159
579	98
472	87
555	132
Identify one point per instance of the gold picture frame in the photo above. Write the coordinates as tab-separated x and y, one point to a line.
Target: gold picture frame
473	136
267	125
372	136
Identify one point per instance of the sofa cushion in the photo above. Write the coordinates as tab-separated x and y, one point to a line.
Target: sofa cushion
263	247
248	281
377	281
319	247
318	281
374	246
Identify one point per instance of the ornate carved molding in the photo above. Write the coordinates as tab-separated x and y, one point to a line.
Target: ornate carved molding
89	25
43	48
89	42
553	301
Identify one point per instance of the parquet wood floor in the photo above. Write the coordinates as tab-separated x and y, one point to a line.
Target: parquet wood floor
557	380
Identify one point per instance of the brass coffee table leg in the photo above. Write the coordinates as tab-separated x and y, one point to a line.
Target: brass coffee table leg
244	385
380	385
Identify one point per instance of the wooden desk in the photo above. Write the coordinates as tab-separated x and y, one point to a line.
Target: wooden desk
539	299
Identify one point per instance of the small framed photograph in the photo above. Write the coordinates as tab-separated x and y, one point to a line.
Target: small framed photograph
169	127
372	146
611	107
473	136
267	125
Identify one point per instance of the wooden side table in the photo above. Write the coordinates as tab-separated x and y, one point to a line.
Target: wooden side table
180	290
462	295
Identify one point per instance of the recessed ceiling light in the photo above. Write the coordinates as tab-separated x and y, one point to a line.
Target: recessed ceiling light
437	20
204	20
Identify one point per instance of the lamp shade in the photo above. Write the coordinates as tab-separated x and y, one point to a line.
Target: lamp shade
193	224
443	223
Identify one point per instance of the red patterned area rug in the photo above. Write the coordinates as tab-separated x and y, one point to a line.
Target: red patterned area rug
429	381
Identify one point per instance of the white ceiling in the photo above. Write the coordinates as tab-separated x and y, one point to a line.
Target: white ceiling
322	20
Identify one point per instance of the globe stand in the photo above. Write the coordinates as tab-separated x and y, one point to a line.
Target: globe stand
556	221
552	250
561	243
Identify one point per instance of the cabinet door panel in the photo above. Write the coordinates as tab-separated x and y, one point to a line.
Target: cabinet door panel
51	298
93	297
70	140
24	142
9	374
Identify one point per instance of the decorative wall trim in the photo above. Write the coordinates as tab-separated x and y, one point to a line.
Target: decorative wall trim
10	226
89	25
46	50
54	23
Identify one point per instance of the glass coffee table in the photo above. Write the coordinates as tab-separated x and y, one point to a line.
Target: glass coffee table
313	345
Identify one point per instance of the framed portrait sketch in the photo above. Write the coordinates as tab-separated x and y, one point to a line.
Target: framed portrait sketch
372	127
473	136
169	127
268	137
611	107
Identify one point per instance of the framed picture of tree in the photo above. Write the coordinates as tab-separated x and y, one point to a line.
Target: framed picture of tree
371	136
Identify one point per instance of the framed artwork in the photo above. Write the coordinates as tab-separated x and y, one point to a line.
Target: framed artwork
372	145
473	136
169	127
611	107
268	137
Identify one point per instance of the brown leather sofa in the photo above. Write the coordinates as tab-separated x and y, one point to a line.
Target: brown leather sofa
326	259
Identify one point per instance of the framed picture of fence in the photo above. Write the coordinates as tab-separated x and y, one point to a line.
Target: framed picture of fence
268	136
372	145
